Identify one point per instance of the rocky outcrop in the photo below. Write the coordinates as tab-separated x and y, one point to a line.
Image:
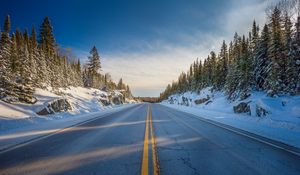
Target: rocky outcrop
202	100
185	101
171	100
242	108
105	102
60	105
104	99
116	98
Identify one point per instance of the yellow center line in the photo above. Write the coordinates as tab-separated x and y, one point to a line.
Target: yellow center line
145	153
153	143
145	161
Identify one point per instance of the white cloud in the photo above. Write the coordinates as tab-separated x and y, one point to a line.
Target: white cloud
240	17
148	73
149	70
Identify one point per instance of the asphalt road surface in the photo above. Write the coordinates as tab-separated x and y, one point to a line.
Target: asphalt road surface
148	139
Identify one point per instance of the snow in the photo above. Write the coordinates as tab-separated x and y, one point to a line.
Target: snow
19	122
282	123
83	100
41	127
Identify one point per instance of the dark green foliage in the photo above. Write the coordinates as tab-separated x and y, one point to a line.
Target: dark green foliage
26	64
46	37
267	61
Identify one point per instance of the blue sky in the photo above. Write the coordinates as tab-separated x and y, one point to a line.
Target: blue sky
148	43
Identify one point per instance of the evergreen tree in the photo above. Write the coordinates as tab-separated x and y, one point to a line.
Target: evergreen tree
46	38
267	62
15	62
26	64
277	78
294	61
262	63
121	85
5	58
93	66
221	69
34	58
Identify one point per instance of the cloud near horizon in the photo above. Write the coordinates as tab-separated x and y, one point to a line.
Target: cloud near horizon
154	64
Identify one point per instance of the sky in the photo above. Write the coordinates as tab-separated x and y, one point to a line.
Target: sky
146	42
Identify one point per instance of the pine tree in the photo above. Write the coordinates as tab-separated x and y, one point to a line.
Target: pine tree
120	85
5	58
190	77
46	38
94	66
291	75
224	64
33	38
277	78
43	79
94	61
34	58
245	70
15	62
262	63
294	61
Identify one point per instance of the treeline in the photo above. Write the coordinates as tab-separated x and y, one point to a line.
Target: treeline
266	60
28	61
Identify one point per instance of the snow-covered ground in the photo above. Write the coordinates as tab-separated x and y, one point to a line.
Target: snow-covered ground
19	122
282	123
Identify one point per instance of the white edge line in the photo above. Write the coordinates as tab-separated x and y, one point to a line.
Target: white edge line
240	133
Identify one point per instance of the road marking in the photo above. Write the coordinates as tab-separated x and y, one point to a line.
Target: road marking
61	130
241	132
145	161
145	168
153	143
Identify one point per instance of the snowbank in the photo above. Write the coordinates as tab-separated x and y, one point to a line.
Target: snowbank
19	122
281	123
44	127
82	100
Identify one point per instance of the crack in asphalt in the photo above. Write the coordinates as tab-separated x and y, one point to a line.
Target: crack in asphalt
187	161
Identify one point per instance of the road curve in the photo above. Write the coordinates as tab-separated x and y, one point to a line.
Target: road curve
177	143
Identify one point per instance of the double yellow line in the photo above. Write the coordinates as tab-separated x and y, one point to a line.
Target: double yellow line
145	163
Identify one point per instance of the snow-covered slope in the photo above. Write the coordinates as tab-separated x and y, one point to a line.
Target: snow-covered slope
281	122
82	100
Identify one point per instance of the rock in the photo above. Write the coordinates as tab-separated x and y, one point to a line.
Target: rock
45	111
260	111
171	100
60	105
105	102
185	101
117	100
200	101
242	108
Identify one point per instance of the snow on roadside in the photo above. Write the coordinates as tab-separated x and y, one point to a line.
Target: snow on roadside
82	100
281	124
19	135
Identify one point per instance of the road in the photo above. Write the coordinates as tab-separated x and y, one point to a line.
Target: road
148	139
